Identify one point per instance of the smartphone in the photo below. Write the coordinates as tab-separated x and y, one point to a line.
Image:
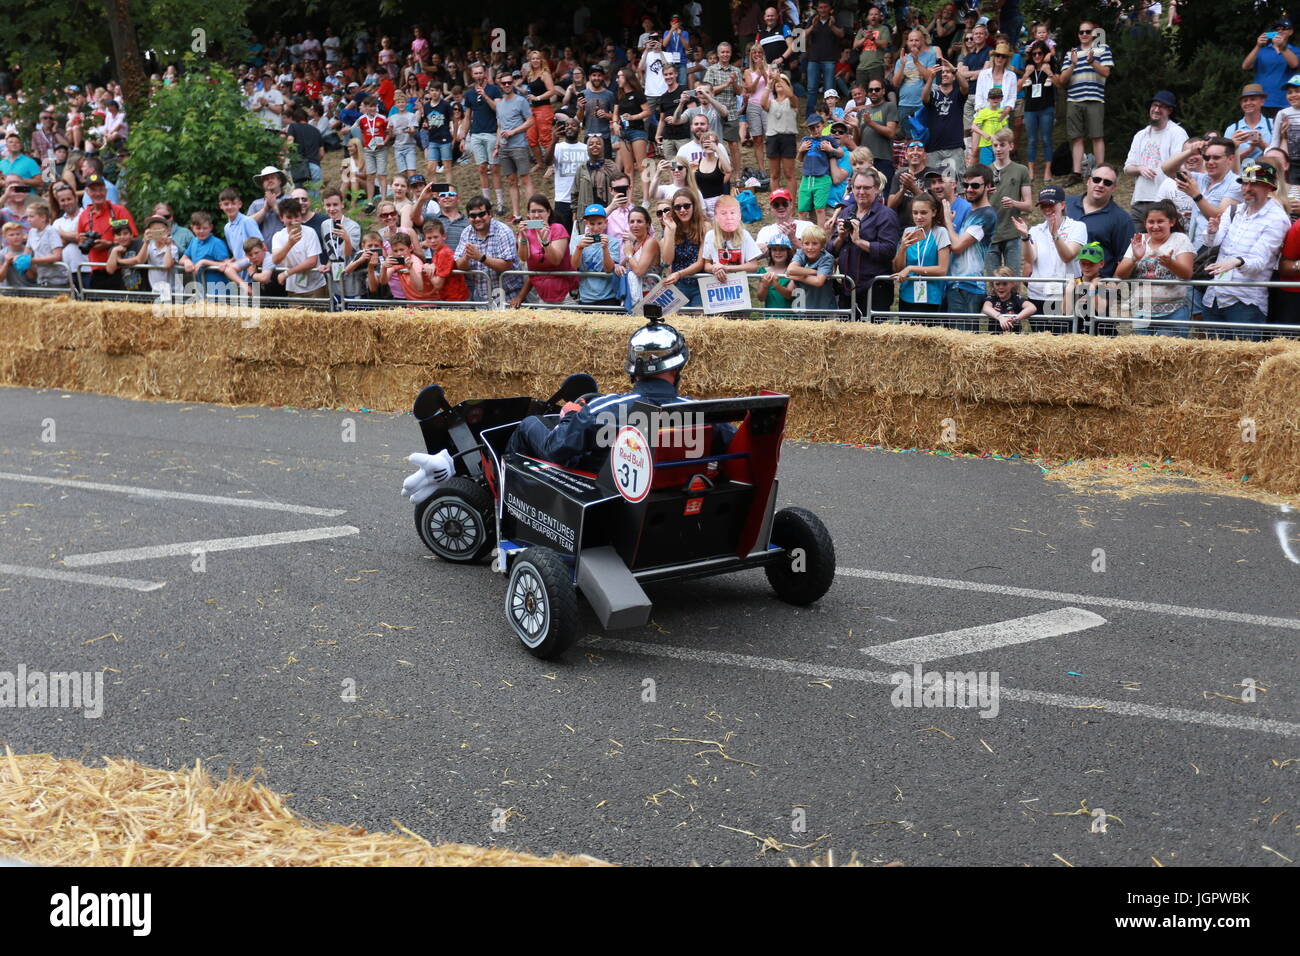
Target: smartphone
534	224
439	188
1271	36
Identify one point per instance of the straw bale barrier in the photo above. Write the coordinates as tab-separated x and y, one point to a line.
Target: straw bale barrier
1053	396
63	813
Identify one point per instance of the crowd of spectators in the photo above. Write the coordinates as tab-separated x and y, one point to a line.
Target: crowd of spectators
887	149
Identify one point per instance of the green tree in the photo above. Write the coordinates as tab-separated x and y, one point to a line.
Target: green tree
195	139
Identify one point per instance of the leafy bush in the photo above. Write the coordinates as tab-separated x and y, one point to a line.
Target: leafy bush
195	139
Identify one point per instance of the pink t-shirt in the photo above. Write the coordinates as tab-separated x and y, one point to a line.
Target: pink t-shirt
551	288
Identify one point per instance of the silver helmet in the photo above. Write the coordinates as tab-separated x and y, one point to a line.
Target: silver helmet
656	347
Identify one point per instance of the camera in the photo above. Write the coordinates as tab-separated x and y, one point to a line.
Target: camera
88	242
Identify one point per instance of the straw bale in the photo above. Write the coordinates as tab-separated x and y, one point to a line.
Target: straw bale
307	338
63	813
271	383
417	337
137	330
381	388
21	322
122	375
1166	370
68	325
37	368
183	377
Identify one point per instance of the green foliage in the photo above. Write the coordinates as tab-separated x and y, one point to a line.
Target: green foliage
194	140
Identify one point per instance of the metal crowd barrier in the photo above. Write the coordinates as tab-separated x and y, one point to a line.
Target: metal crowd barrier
1107	324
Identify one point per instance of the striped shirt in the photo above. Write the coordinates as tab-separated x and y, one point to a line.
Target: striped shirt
716	75
1256	238
1086	84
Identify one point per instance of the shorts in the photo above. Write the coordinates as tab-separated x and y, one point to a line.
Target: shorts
780	146
377	161
406	156
635	136
542	133
1085	120
438	152
967	114
515	160
481	146
756	119
731	131
814	192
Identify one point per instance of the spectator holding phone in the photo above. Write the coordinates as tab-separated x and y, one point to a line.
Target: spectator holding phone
544	247
1273	59
594	251
298	251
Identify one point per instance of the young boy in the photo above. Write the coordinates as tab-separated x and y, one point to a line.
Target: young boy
259	269
812	268
815	151
46	247
447	286
1005	304
122	258
16	268
239	227
297	250
988	121
1081	294
368	260
206	256
594	251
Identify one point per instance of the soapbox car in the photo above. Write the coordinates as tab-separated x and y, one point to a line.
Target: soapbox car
662	507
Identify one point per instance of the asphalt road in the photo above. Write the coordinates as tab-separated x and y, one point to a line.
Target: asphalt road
731	723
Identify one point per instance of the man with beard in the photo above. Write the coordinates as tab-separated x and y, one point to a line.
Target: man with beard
565	157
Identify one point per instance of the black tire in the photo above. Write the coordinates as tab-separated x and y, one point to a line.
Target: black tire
799	529
542	603
458	521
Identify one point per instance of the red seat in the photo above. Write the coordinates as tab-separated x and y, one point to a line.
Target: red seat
671	445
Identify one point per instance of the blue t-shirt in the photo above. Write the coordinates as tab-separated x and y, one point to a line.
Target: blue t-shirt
925	253
592	259
815	161
1271	72
838	189
818	298
209	248
970	261
483	118
909	94
23	166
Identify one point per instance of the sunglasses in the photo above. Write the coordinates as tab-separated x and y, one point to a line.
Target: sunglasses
387	215
916	144
683	205
978	184
780	203
663	212
875	89
1102	181
477	215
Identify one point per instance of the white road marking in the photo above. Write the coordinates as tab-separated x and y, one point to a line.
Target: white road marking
985	637
75	577
1122	708
213	544
177	495
1096	601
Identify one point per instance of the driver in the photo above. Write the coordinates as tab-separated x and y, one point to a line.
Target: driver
656	355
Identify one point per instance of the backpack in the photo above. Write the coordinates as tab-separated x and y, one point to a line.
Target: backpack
750	211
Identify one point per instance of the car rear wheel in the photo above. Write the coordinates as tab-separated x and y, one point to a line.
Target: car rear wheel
807	569
457	522
542	603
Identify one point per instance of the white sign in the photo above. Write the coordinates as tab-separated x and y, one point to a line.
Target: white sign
632	464
667	297
725	296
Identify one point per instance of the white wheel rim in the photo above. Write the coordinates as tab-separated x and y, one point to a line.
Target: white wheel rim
527	605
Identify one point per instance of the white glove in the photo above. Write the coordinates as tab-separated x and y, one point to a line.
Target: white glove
439	467
413	480
423	491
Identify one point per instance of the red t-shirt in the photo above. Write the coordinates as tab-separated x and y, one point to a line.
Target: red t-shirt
1291	250
373	128
455	289
386	92
102	223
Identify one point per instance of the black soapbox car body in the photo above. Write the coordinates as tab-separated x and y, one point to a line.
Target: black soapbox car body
662	507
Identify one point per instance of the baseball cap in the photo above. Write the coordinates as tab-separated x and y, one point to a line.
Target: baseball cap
1260	173
1294	81
675	19
838	128
1167	98
931	172
780	239
780	194
595	209
995	93
160	220
595	68
1092	252
1283	22
814	119
416	180
1051	194
94	179
831	94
